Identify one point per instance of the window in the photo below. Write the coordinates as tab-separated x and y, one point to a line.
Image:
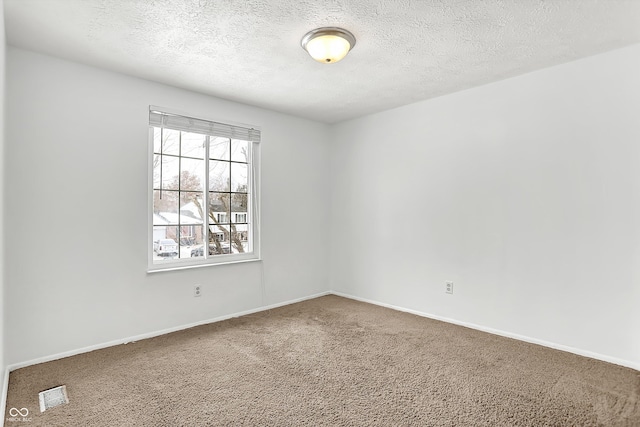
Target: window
203	192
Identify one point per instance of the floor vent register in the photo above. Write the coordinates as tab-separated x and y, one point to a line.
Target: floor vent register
53	397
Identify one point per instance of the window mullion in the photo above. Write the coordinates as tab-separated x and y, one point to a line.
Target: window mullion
179	194
161	157
205	200
250	191
230	201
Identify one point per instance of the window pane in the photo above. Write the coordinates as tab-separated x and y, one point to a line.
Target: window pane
219	204
165	246
239	177
219	240
219	148
193	145
190	200
218	233
239	150
192	176
239	205
190	204
157	132
197	249
191	207
238	217
239	239
157	159
191	241
164	202
170	142
169	172
218	176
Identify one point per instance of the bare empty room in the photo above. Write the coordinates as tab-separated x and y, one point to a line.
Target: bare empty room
322	213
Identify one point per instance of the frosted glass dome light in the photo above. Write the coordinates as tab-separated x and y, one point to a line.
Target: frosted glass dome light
328	44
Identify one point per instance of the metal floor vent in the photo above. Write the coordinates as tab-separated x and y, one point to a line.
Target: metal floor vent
53	397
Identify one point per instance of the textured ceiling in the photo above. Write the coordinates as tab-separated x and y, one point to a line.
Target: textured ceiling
249	50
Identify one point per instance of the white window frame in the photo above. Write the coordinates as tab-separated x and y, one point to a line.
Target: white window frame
253	213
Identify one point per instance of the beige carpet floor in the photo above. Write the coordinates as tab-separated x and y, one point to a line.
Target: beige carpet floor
330	362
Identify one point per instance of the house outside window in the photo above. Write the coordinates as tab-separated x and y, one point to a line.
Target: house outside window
203	192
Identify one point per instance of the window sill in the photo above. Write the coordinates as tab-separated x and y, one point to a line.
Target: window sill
175	267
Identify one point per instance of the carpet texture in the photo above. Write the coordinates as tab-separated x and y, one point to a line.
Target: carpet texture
330	361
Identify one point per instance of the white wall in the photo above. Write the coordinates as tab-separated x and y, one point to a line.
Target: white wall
2	101
525	193
76	211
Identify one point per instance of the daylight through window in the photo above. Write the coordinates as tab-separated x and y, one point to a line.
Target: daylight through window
204	192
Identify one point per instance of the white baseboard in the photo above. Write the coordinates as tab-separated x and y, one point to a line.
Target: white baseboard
580	352
57	356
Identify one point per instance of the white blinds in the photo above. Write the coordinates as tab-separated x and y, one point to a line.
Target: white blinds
189	124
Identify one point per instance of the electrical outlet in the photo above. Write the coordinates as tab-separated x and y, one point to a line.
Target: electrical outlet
449	287
197	291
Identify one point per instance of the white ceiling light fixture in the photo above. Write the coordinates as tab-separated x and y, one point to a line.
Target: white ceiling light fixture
328	44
